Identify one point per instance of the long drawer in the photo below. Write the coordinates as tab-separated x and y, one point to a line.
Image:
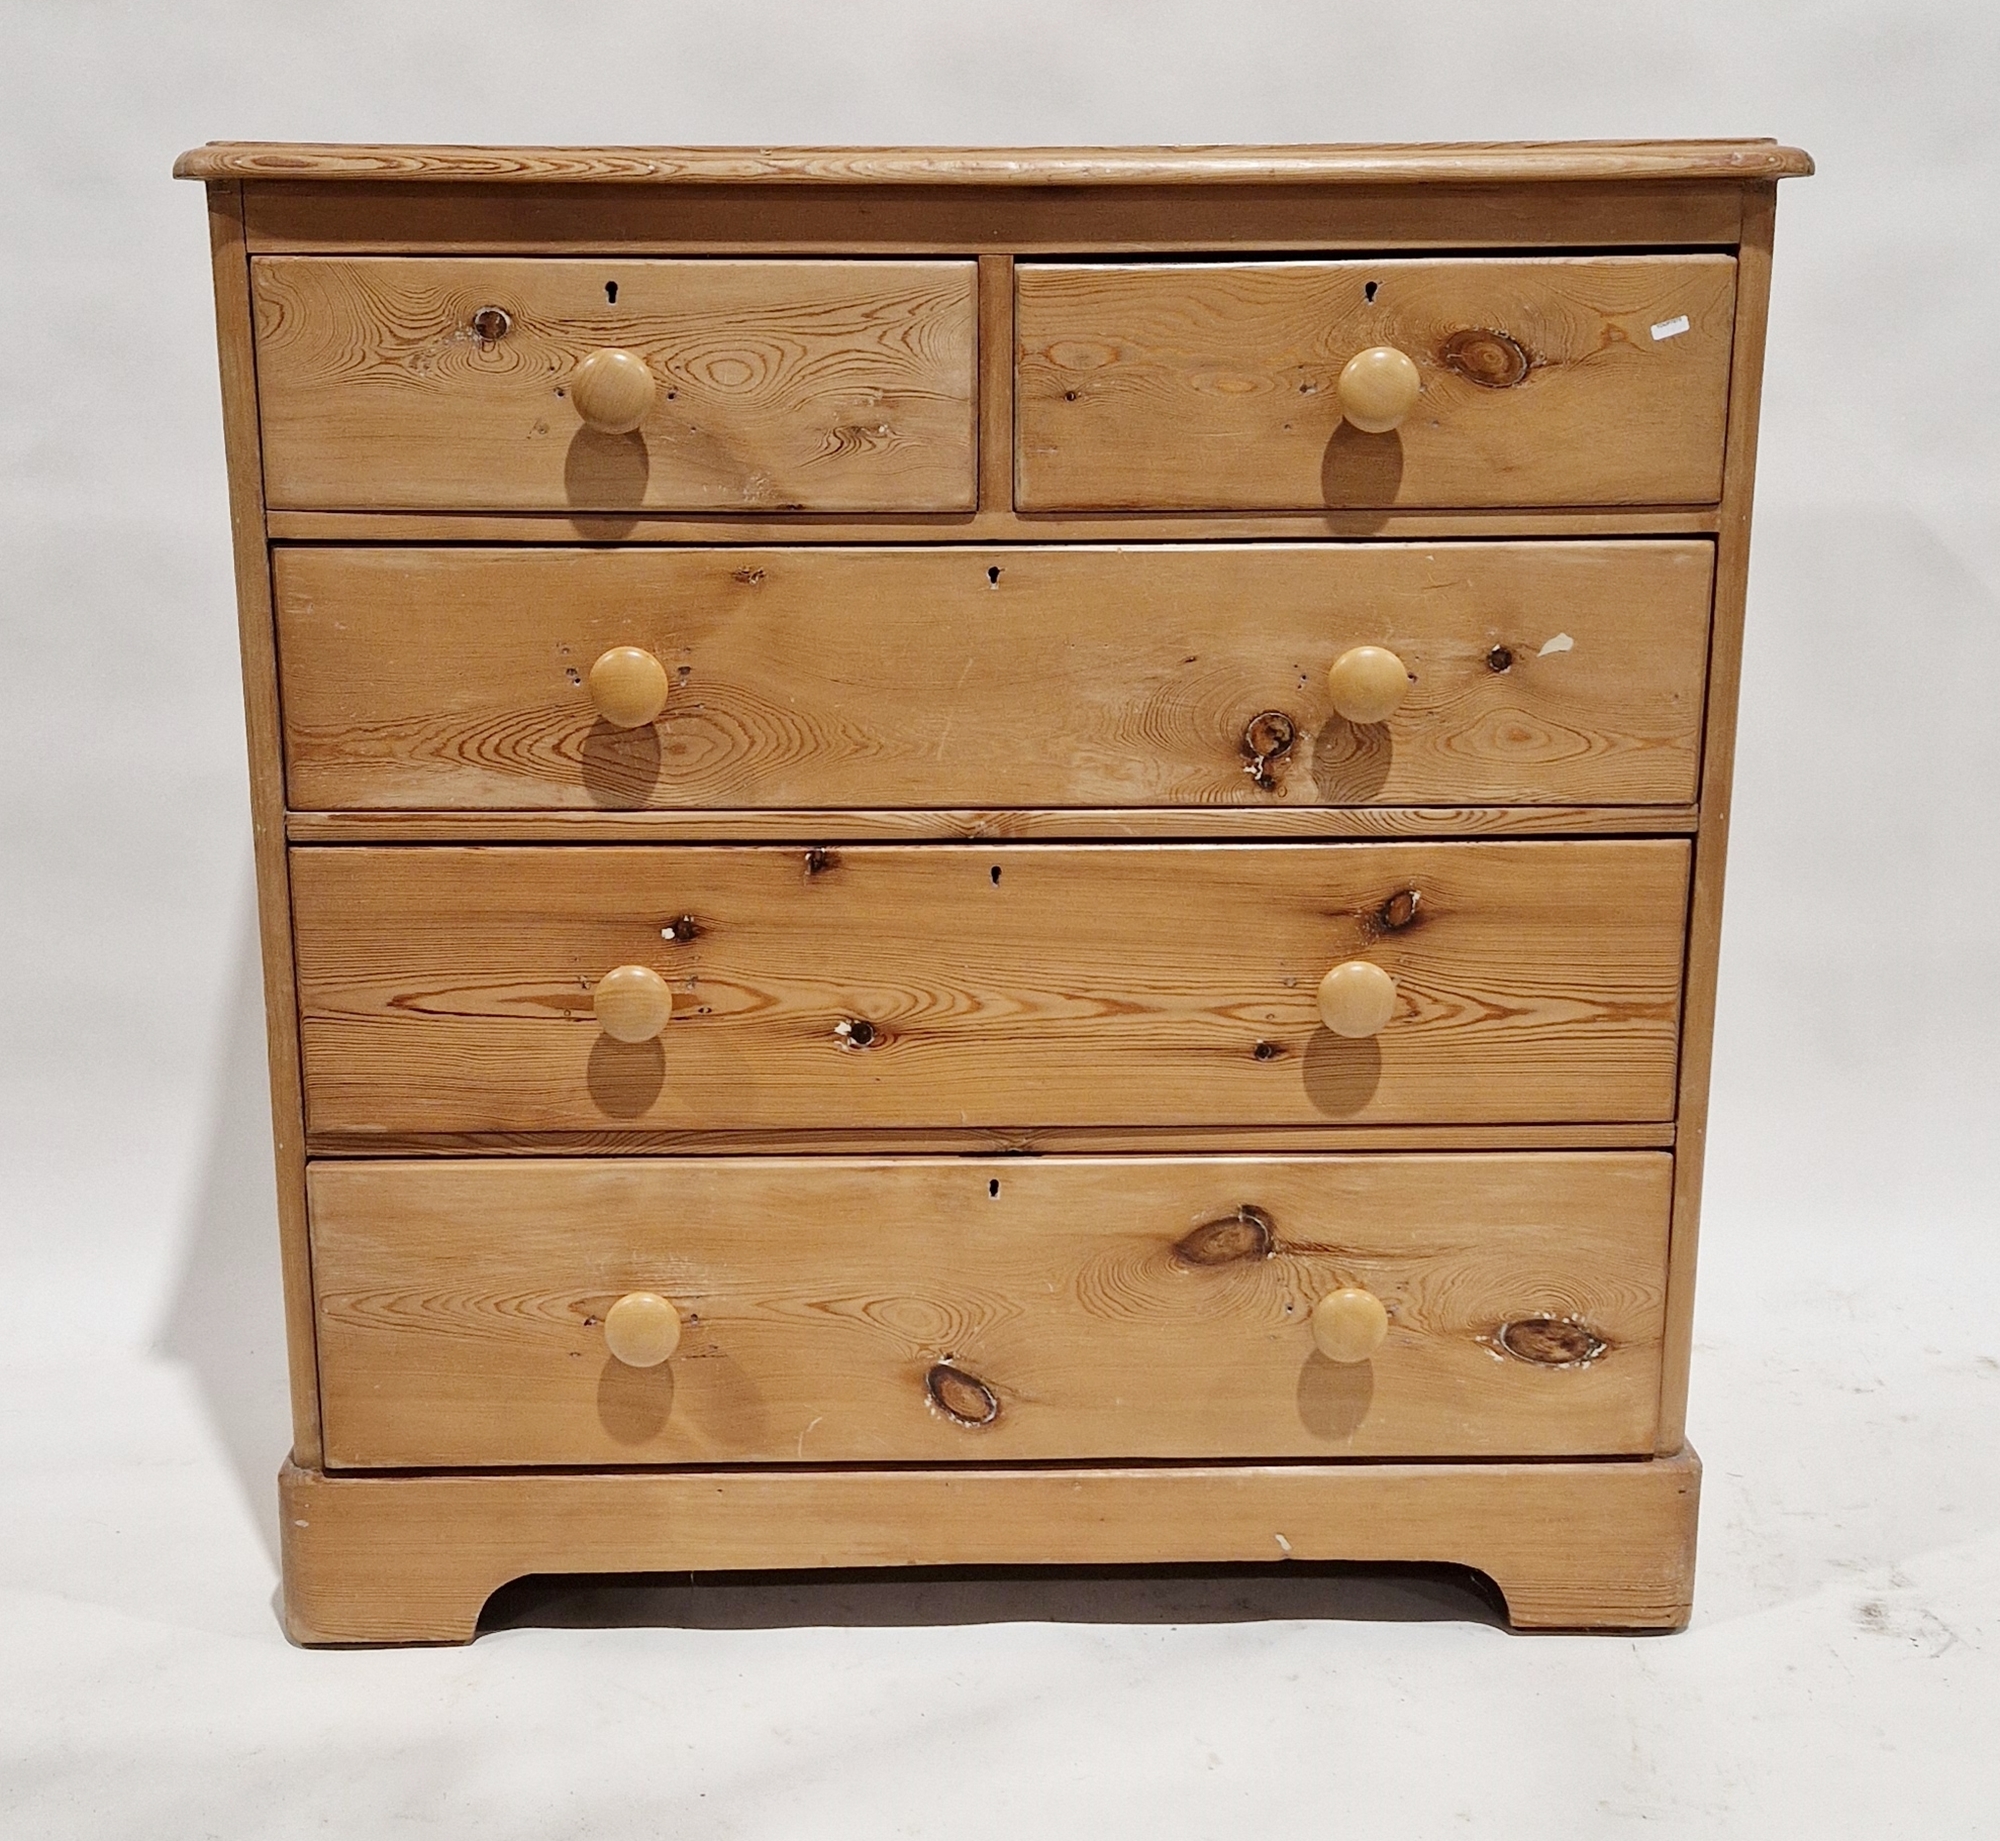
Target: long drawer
460	383
976	1309
1559	673
456	990
1600	380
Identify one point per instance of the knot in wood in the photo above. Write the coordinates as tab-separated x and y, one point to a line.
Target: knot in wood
1484	357
1551	1342
1268	735
492	324
1399	910
1247	1234
1501	658
962	1397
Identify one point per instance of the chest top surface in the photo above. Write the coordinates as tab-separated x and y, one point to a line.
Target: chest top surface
1463	163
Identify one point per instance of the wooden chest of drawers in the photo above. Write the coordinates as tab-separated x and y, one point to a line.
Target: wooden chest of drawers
976	857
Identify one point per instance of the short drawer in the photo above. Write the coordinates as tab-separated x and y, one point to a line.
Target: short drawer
1556	673
441	383
834	1310
1197	386
456	990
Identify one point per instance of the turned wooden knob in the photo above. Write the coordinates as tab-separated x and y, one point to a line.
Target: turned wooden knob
1356	998
1368	684
1378	388
1350	1325
642	1329
629	687
632	1003
612	390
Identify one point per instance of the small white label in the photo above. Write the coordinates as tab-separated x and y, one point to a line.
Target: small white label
1671	329
1561	643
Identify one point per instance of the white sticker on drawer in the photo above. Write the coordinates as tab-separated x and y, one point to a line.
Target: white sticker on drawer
1671	329
1561	643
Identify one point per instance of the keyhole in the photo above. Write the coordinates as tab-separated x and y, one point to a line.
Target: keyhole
611	292
1368	293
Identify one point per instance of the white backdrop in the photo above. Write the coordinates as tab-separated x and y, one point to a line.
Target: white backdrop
1847	1376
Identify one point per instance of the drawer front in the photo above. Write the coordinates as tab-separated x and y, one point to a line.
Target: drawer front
1565	673
1078	1308
430	383
1556	381
452	990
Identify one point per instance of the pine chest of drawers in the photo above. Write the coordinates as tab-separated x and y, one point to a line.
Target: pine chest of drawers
989	857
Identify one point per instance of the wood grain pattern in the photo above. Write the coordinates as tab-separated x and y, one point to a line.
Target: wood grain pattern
449	989
1211	385
257	643
1486	163
1113	1308
1005	677
411	1559
826	385
816	825
467	217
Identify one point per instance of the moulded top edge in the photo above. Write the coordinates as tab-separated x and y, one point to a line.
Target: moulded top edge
1466	163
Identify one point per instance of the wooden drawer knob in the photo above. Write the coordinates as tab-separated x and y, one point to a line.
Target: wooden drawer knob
612	390
1368	684
632	1003
642	1329
1350	1325
1378	388
1356	998
629	687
